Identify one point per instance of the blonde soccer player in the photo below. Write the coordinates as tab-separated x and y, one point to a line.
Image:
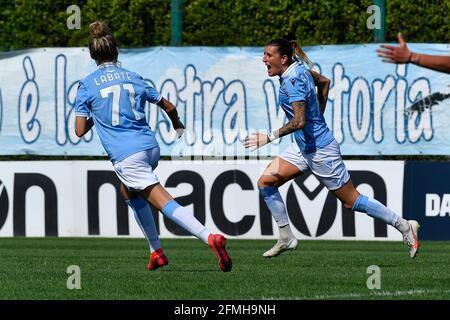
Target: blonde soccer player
113	99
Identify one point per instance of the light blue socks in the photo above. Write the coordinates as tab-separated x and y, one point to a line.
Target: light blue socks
375	209
144	218
185	219
275	203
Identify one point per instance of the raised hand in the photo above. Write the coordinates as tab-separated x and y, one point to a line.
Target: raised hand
398	54
256	140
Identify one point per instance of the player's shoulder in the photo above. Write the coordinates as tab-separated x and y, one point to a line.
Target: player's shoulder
294	72
293	78
300	69
88	80
303	73
82	83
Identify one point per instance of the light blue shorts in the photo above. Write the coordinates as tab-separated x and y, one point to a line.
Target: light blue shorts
325	163
137	171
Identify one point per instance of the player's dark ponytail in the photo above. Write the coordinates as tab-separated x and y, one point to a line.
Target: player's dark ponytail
103	46
291	49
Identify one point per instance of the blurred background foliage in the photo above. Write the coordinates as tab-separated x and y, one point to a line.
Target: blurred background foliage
144	23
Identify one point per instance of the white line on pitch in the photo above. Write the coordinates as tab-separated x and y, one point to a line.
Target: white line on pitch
411	292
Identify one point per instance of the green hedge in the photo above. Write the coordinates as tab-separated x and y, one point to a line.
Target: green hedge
254	22
42	23
142	23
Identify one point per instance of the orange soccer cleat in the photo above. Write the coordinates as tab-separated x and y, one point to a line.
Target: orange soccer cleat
157	260
217	243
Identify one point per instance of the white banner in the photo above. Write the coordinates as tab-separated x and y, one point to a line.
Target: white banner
223	93
80	198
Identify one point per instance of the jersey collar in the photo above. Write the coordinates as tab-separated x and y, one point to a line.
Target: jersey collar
289	69
107	64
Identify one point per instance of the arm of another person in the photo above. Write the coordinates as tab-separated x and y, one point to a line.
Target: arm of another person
323	87
437	63
402	54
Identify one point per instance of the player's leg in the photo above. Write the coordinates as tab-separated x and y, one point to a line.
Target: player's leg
328	166
280	170
158	196
352	199
135	173
144	217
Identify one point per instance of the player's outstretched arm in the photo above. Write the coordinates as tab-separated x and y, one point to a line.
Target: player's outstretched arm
171	111
402	54
298	121
323	87
83	125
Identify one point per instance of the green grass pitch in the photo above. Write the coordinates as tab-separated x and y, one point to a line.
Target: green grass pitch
36	268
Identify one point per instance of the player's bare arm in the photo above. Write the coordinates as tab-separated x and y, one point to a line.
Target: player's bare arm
171	111
83	125
297	122
438	63
323	86
402	54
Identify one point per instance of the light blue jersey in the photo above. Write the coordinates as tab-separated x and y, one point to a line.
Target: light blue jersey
297	84
115	98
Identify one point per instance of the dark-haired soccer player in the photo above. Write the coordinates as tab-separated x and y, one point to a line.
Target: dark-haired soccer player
314	149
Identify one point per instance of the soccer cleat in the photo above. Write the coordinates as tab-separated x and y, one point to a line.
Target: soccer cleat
217	243
281	246
411	239
157	260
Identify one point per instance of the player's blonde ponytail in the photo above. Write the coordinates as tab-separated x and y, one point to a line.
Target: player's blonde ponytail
298	52
103	46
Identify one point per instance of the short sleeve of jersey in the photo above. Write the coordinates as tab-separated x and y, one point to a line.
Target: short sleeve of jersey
82	102
295	89
153	96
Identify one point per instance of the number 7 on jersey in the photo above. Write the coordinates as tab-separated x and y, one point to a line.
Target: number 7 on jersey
116	90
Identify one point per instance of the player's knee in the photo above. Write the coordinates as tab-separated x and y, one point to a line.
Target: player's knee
127	194
124	192
350	202
347	204
261	182
267	181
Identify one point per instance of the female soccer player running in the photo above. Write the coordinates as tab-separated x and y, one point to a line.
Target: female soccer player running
113	99
314	149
